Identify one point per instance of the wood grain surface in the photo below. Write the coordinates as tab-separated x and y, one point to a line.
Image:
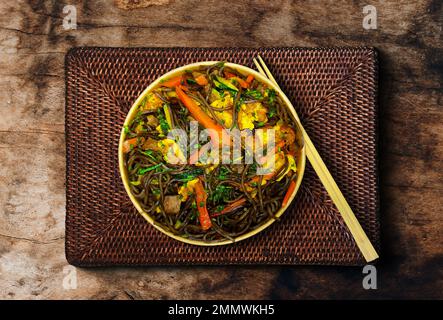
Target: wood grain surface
33	43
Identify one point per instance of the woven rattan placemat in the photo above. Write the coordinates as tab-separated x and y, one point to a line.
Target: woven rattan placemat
334	91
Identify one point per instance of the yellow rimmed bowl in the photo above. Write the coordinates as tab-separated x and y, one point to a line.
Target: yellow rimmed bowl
300	156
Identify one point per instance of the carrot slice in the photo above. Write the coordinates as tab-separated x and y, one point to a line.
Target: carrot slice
201	80
199	115
200	200
129	144
229	75
256	179
173	82
249	79
231	207
288	193
242	82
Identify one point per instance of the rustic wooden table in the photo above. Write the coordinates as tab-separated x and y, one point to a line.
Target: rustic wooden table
33	44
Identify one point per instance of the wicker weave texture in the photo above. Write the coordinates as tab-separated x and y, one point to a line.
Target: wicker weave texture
334	91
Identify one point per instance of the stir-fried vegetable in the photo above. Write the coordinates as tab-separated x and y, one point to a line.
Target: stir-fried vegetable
224	84
249	79
243	83
202	117
201	80
174	82
288	193
200	200
130	144
168	115
231	207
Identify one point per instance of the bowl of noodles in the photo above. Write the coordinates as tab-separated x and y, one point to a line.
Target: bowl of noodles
210	153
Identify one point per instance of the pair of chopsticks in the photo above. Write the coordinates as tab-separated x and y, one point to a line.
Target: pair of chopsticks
360	237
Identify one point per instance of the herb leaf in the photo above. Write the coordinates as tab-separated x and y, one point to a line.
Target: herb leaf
220	194
224	84
142	171
164	126
189	175
271	96
191	81
255	94
223	174
148	153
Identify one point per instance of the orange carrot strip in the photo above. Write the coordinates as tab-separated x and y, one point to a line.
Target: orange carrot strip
129	144
242	82
173	82
229	75
230	207
201	80
288	193
200	201
256	179
250	78
199	115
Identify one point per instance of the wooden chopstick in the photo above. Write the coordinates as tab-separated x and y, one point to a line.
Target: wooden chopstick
360	237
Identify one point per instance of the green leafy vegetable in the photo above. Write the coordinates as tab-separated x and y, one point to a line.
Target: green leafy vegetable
224	84
223	174
142	171
220	194
271	96
272	112
254	94
189	175
260	124
164	126
191	81
148	153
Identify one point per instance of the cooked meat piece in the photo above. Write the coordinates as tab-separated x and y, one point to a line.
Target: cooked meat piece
151	144
151	121
172	204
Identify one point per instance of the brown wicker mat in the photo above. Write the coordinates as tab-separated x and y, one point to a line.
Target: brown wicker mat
334	91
